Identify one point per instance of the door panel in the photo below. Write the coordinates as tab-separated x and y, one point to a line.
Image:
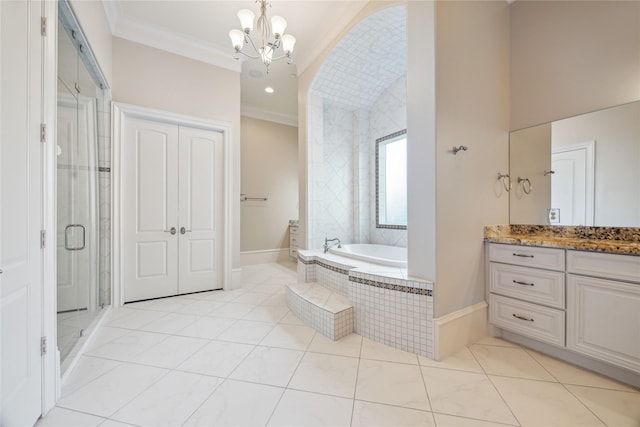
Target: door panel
201	177
150	209
20	212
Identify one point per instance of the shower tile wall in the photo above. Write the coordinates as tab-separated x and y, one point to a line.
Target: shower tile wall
104	183
387	115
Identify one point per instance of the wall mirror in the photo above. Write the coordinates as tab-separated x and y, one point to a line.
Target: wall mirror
583	170
391	181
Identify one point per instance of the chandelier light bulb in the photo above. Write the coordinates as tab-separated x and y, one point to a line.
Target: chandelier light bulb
278	25
267	55
237	39
288	42
246	20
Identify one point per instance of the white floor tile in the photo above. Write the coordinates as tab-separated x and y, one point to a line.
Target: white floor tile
253	298
538	403
60	417
171	352
86	370
110	392
300	408
170	304
346	346
292	319
391	383
368	414
207	327
443	420
104	335
113	423
268	365
170	401
509	362
289	336
127	347
570	374
201	307
218	358
615	408
247	332
129	318
463	360
237	403
496	341
276	299
267	313
326	373
170	324
465	394
233	310
376	351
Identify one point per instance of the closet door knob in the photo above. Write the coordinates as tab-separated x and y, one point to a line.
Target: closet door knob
184	230
172	231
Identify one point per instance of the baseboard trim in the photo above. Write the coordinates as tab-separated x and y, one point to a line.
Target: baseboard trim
459	329
263	256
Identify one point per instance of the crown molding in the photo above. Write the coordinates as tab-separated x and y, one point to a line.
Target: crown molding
167	40
270	116
112	10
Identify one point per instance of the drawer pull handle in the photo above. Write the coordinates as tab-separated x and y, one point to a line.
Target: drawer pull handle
523	255
523	283
528	319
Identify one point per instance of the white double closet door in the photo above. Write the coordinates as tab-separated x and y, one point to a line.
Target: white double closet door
172	183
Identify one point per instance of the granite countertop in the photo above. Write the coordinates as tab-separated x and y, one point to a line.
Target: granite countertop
614	240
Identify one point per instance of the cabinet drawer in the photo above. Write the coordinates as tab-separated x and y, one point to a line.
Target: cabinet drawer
535	321
293	230
530	284
293	240
603	320
293	252
612	266
529	256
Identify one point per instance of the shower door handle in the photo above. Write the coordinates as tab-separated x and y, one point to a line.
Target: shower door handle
66	237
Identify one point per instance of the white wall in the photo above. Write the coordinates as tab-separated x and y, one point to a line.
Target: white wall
572	57
269	154
152	78
94	23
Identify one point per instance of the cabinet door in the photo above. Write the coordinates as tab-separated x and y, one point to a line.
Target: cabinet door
603	320
200	200
150	209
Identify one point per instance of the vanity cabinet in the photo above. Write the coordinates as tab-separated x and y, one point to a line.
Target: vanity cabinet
293	241
527	291
603	317
599	318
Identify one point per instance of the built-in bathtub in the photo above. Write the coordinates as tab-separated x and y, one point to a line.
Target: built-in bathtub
392	256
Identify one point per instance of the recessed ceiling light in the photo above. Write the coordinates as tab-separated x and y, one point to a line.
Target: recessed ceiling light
268	89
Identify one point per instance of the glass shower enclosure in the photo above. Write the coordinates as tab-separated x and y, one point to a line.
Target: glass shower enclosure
79	299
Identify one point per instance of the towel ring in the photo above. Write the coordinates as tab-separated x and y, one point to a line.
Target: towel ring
506	181
526	185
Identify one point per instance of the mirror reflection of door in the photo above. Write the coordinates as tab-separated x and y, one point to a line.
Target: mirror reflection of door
572	183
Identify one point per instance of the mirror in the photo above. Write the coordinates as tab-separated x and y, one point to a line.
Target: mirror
583	170
391	181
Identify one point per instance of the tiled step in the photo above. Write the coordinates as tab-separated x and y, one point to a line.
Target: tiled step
327	312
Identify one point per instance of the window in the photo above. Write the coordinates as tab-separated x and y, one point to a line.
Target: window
391	181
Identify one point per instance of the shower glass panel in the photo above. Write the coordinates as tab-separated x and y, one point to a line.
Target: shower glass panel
77	197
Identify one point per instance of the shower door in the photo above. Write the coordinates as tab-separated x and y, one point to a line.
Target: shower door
77	195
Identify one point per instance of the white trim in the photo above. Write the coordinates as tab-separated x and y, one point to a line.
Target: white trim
122	111
50	361
459	329
589	147
263	256
170	41
236	279
270	116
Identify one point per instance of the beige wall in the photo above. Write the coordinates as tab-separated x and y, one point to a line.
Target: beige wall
572	57
472	75
153	78
269	159
95	26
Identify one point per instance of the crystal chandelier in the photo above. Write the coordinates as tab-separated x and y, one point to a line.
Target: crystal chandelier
271	36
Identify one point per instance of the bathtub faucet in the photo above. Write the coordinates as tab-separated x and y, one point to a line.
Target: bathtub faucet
327	246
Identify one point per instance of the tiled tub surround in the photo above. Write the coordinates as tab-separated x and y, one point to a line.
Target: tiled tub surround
615	240
389	307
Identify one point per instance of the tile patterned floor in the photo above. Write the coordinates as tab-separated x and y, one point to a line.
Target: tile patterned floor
241	358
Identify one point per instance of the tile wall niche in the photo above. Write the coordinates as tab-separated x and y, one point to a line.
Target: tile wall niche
341	166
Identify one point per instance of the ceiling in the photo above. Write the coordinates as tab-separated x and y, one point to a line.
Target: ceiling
199	30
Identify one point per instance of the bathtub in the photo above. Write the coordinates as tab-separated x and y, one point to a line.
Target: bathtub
392	256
